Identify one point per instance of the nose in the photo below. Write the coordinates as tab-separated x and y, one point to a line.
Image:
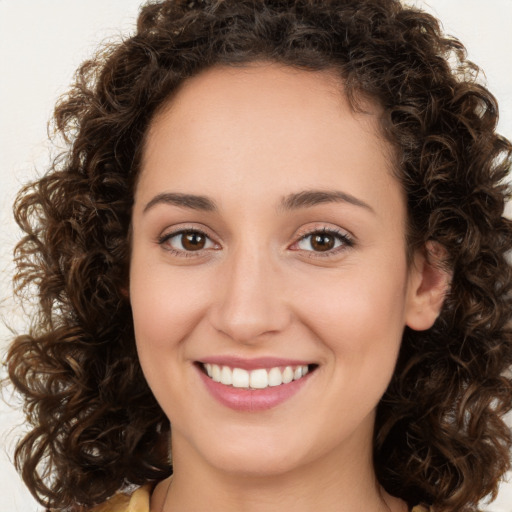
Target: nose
250	299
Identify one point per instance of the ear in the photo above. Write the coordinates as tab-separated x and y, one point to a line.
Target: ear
429	282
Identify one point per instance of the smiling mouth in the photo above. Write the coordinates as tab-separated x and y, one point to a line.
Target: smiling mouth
260	378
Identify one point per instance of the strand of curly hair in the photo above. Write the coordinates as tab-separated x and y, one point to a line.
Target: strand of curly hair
440	438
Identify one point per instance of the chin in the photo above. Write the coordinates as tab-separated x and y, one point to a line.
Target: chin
260	463
252	454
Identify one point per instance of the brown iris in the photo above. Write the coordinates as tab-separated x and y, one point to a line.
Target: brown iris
193	241
322	242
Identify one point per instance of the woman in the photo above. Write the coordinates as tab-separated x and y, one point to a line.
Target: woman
278	230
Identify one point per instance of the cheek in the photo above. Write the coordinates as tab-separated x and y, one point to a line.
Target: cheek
166	308
359	317
165	304
358	304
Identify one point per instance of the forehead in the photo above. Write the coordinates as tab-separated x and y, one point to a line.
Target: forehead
261	80
265	126
261	91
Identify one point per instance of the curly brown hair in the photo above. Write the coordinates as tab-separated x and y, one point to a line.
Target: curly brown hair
96	428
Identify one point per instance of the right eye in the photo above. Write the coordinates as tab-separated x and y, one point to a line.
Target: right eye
183	241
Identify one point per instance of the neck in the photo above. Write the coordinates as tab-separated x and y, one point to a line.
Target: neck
329	484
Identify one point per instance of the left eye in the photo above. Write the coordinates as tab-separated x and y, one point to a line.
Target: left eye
322	241
188	241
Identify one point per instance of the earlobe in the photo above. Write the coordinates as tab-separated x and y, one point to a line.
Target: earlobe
428	285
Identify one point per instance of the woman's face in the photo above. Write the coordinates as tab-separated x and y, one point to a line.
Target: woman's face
268	241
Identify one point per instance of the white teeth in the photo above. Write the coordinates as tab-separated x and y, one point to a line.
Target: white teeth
287	375
226	376
260	378
216	373
240	378
275	377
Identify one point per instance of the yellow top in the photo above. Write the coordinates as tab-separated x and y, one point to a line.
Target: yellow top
139	502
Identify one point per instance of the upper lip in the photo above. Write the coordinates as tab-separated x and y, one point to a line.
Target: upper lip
254	363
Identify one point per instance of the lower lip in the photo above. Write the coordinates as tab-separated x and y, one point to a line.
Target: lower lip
252	400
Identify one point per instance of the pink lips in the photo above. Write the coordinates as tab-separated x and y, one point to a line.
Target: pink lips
252	400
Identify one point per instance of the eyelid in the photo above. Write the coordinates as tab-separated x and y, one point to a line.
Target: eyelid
347	239
182	229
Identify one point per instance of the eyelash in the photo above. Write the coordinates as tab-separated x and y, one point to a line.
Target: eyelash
345	239
178	252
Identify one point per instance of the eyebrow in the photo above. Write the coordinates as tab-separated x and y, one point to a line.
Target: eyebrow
192	201
298	200
309	198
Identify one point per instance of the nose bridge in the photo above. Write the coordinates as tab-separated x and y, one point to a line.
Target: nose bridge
249	302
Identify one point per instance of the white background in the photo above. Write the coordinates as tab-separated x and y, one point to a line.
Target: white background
43	42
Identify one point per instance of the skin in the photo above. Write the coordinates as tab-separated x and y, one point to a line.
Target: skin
247	138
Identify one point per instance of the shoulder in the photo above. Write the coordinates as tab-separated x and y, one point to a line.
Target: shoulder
138	501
